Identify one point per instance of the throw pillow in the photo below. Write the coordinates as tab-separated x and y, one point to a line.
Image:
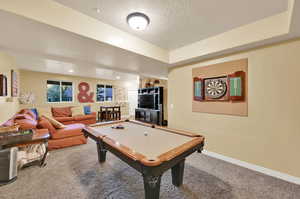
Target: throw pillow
27	112
36	115
45	111
23	116
87	110
45	124
77	110
55	123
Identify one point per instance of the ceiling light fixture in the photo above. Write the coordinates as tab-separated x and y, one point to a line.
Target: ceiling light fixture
71	71
118	77
138	21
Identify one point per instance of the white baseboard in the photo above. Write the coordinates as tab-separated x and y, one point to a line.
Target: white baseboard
254	167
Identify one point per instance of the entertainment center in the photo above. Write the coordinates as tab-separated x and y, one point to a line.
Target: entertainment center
150	105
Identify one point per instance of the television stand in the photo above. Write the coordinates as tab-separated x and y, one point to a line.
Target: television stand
149	115
153	113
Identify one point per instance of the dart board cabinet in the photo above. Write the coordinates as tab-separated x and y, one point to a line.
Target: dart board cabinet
223	88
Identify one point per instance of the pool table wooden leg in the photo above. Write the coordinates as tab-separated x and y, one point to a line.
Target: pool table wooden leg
152	186
177	173
101	152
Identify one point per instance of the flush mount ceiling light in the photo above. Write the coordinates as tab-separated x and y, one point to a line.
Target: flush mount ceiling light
97	10
138	21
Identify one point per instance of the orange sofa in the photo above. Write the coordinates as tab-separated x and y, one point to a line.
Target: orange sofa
64	115
65	137
60	138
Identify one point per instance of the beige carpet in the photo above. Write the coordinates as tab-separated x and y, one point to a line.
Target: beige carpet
75	173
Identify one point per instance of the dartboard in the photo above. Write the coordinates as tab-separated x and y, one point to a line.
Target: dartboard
215	88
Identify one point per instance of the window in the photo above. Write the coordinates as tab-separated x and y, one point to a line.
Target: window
59	91
104	93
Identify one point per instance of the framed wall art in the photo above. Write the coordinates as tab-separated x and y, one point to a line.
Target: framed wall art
3	85
14	84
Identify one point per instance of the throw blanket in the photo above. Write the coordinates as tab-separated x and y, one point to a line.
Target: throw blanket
30	153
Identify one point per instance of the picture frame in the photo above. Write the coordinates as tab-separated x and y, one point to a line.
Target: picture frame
14	84
3	85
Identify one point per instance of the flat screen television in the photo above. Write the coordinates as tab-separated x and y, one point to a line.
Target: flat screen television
146	101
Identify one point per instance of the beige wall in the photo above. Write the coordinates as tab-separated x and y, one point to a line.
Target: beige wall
163	83
8	105
36	82
270	135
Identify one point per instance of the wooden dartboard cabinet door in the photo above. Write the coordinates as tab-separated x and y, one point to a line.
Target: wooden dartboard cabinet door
3	85
198	86
237	86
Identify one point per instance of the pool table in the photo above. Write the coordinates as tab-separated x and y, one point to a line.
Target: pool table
149	149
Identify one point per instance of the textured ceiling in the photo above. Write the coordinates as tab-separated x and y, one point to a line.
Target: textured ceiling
44	48
176	23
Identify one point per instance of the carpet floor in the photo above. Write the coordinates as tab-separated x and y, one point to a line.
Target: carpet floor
75	173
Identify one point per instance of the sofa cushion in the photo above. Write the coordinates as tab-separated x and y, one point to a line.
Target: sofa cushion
61	111
45	124
55	123
83	117
34	110
45	111
66	142
22	116
77	110
64	119
70	131
26	124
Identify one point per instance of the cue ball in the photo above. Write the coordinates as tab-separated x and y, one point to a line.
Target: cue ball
145	133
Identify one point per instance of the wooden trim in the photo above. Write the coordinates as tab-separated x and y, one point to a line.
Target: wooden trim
93	132
179	132
124	149
181	149
142	123
106	123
